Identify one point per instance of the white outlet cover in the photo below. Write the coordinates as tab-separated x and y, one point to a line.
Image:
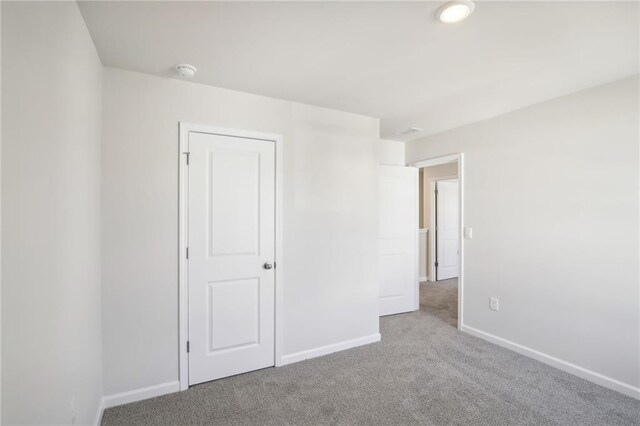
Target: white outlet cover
494	304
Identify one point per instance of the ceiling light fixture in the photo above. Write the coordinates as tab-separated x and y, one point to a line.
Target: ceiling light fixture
455	11
186	70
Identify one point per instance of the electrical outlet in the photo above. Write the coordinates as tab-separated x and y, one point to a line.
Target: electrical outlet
494	304
468	233
72	410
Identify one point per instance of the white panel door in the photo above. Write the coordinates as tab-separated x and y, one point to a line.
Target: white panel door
447	224
231	238
398	199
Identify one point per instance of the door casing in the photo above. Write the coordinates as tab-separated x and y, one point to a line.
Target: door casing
183	226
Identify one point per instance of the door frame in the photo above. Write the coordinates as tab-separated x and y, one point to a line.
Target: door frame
435	161
431	272
184	129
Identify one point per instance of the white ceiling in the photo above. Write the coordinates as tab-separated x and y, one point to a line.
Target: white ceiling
390	60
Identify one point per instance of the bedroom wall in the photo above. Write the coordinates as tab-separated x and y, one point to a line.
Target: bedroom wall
329	213
551	192
391	152
51	125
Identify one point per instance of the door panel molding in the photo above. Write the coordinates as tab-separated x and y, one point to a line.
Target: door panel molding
183	216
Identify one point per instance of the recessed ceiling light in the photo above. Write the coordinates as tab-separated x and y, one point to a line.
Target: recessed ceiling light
455	11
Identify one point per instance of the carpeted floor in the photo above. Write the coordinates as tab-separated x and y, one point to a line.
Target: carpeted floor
423	372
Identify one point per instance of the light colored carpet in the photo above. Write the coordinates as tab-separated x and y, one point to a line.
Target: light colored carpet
423	372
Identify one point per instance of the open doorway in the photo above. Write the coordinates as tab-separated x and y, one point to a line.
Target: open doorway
421	264
440	242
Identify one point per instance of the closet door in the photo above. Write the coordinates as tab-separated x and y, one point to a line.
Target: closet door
231	255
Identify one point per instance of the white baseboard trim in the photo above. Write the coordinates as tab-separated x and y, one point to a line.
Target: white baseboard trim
422	279
99	413
329	349
170	387
592	376
140	394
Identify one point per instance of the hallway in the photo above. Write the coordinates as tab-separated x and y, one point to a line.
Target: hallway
440	299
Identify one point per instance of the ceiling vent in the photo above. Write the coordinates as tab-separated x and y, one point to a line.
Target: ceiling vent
410	131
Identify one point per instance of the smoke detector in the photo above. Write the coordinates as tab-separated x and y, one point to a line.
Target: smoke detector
186	70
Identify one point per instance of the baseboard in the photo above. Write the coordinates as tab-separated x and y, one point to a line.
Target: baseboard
170	387
140	394
592	376
99	413
422	279
329	349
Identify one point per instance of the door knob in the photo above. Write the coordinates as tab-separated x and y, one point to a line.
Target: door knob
267	265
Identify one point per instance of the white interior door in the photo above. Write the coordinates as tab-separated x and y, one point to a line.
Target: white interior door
231	239
398	199
447	224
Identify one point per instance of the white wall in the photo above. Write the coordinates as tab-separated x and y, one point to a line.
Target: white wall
391	153
330	219
51	344
552	194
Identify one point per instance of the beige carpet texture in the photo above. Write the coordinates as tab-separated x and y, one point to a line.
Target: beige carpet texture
424	371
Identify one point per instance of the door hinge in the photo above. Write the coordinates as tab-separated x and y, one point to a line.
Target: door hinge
187	252
187	154
188	348
436	264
